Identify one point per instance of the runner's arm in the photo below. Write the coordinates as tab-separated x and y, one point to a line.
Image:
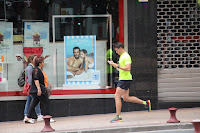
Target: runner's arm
125	68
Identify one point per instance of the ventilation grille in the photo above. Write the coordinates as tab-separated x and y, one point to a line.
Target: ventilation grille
178	34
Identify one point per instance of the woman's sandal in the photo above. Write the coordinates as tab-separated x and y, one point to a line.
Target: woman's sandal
29	120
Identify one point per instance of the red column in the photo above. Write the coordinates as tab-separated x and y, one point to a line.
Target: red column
121	20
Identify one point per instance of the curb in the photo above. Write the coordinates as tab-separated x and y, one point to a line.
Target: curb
170	126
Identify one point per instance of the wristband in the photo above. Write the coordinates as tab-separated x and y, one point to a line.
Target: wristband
118	66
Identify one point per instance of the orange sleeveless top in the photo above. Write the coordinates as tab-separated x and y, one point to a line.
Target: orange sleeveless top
45	79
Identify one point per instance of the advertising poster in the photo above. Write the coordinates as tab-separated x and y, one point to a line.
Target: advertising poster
80	61
6	41
36	34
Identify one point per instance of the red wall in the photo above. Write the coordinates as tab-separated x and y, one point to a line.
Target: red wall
121	20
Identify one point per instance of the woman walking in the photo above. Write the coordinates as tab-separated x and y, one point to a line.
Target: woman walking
38	91
29	70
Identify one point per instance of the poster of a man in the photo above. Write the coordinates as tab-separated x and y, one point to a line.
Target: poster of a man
74	63
79	63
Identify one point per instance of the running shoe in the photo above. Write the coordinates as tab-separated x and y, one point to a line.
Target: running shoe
148	105
116	119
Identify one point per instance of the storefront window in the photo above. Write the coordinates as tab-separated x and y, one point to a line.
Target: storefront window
19	38
86	37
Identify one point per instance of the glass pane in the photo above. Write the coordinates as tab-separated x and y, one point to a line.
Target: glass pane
74	26
81	26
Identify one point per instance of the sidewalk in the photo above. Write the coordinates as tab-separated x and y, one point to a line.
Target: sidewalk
136	121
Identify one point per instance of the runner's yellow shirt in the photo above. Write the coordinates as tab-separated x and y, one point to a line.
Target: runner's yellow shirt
123	61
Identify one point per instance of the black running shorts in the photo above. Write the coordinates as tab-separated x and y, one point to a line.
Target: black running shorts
124	84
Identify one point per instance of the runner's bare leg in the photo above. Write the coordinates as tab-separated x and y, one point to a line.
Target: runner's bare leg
118	103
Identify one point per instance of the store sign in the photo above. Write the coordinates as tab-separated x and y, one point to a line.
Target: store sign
80	66
33	50
142	0
18	38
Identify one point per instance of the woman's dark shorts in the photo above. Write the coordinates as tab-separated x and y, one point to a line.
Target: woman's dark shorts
124	84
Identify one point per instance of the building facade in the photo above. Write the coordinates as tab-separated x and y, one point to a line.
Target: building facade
162	37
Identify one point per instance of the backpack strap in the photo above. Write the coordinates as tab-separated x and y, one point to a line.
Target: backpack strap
25	72
25	76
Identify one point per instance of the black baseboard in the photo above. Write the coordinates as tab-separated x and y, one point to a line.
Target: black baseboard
14	110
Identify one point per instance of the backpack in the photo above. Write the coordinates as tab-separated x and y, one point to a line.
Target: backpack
21	78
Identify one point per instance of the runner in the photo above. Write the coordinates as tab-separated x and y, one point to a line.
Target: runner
125	79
